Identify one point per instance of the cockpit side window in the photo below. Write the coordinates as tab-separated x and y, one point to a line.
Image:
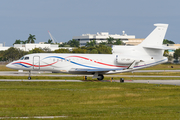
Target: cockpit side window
26	58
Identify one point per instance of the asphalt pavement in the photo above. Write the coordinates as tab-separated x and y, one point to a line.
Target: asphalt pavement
35	73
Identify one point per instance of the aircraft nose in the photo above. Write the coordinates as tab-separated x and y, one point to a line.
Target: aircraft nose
9	65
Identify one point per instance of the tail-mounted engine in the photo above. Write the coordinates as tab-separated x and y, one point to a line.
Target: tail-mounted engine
124	60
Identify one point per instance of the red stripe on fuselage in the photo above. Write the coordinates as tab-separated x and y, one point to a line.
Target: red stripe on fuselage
36	65
78	57
96	61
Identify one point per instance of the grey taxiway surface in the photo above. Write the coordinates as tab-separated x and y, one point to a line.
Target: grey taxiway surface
167	82
47	73
25	73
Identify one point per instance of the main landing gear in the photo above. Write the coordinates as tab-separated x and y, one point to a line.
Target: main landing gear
100	77
29	78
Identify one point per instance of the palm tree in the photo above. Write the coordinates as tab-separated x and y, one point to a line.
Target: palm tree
110	40
92	43
17	42
118	42
73	43
49	41
31	39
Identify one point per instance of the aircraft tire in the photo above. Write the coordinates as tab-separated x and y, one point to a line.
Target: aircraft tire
29	78
101	77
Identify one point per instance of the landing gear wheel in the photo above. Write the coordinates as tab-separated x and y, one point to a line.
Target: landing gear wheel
100	77
29	78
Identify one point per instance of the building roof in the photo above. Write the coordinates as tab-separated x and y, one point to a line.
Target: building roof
103	35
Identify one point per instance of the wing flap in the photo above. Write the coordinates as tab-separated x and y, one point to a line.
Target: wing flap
95	70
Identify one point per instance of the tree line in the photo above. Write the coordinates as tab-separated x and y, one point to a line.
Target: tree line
15	53
90	48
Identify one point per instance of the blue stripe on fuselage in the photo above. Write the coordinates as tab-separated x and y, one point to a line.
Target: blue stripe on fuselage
22	65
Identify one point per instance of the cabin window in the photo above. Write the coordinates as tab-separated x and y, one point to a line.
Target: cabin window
26	58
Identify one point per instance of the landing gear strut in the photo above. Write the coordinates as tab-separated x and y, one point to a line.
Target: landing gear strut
29	78
100	77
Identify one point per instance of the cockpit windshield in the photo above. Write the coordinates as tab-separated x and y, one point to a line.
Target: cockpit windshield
24	58
21	58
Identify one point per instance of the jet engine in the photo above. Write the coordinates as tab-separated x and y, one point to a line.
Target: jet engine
124	60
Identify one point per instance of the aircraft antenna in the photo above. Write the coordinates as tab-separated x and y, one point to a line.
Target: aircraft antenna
53	39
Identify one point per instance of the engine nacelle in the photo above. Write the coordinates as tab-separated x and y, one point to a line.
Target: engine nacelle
124	60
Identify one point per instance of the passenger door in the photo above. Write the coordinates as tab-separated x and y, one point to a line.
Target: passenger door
36	62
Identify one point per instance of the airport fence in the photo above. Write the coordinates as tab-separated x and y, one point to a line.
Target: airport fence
4	62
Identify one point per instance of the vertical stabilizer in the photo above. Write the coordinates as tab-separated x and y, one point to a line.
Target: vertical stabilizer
156	37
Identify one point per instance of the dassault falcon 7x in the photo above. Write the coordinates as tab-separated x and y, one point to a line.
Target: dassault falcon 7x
123	58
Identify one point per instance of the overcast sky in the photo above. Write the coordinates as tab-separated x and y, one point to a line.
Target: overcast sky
68	18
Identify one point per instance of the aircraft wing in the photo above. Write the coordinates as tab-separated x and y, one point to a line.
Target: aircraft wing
131	66
95	70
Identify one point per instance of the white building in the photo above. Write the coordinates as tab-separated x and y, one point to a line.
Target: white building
3	48
102	37
135	41
30	46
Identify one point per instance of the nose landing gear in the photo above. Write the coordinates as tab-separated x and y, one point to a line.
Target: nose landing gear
29	78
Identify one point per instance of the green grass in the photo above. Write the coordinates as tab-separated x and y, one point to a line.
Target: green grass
164	67
90	100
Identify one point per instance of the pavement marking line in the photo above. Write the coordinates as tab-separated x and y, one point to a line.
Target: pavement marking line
39	117
15	80
167	82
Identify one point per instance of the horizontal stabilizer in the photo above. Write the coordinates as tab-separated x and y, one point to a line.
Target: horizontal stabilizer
159	47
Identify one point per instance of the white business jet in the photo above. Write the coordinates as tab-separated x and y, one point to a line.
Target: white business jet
123	58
